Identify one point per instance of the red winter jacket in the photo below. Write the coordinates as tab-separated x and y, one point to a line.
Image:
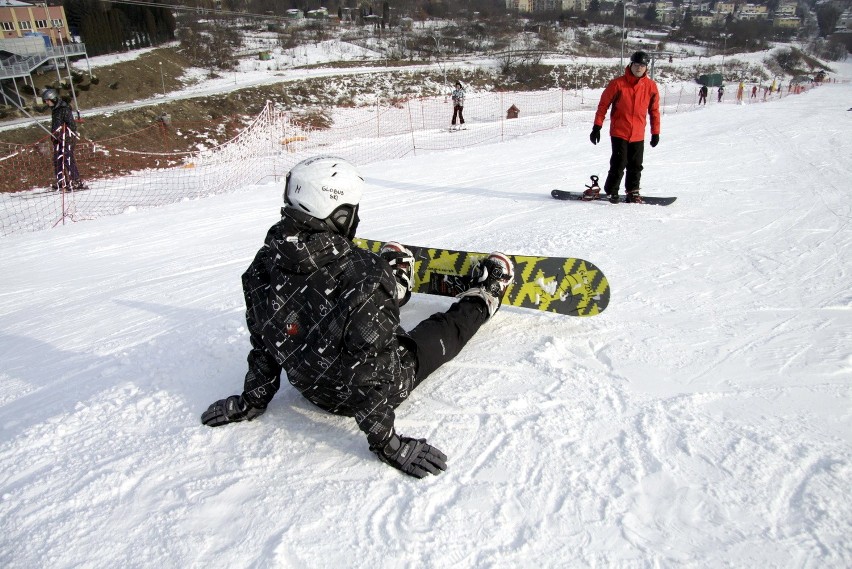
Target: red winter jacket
632	99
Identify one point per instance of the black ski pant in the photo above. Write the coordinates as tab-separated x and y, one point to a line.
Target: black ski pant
441	337
457	112
64	164
627	155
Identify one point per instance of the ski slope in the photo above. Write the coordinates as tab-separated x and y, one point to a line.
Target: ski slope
703	420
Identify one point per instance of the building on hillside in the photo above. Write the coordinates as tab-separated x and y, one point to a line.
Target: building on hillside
531	6
786	22
318	14
786	9
844	22
575	5
546	5
785	15
753	12
519	5
20	19
726	8
704	19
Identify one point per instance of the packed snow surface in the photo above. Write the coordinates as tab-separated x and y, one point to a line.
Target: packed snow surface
703	420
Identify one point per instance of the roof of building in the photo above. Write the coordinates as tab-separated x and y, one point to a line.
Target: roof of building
14	4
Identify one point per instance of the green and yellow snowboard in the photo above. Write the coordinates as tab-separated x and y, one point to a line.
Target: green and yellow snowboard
553	284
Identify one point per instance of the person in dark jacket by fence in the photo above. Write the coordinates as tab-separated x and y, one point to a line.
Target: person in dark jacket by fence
458	106
327	313
64	134
633	97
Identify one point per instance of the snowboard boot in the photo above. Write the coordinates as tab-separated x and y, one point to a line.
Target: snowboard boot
78	185
634	197
592	190
401	261
490	278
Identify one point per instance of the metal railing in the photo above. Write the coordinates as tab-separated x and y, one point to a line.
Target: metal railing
20	66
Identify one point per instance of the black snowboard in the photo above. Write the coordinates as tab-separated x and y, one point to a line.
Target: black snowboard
602	197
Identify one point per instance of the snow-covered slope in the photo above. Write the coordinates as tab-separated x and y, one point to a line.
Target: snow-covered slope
702	421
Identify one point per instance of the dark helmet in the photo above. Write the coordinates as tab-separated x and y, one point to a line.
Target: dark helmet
640	57
49	95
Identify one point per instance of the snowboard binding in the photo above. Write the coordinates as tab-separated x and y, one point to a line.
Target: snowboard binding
593	190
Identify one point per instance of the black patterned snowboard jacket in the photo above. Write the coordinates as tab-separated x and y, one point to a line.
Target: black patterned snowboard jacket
325	311
62	115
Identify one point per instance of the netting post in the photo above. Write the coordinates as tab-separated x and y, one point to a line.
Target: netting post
411	128
502	120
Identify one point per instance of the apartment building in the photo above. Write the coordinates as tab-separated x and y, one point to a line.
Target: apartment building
20	19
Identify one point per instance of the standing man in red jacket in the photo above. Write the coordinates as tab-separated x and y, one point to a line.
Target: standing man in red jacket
633	97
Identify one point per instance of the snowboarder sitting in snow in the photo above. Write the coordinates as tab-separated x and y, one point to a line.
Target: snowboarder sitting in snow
633	97
327	313
458	104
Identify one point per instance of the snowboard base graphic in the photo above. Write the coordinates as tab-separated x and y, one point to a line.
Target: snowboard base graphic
574	287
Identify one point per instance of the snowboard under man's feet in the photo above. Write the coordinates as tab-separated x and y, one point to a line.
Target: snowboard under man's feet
634	197
490	278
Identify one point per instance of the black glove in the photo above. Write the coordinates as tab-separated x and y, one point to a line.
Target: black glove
230	410
412	456
655	140
595	137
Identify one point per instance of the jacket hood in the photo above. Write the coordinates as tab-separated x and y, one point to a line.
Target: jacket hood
632	78
302	244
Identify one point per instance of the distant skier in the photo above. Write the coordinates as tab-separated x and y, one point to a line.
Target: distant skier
327	313
458	105
740	92
632	96
64	138
702	95
720	92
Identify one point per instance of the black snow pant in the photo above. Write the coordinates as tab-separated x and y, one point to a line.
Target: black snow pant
441	337
438	339
624	155
457	112
64	164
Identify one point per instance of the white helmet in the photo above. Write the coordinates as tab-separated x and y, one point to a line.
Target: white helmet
327	188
